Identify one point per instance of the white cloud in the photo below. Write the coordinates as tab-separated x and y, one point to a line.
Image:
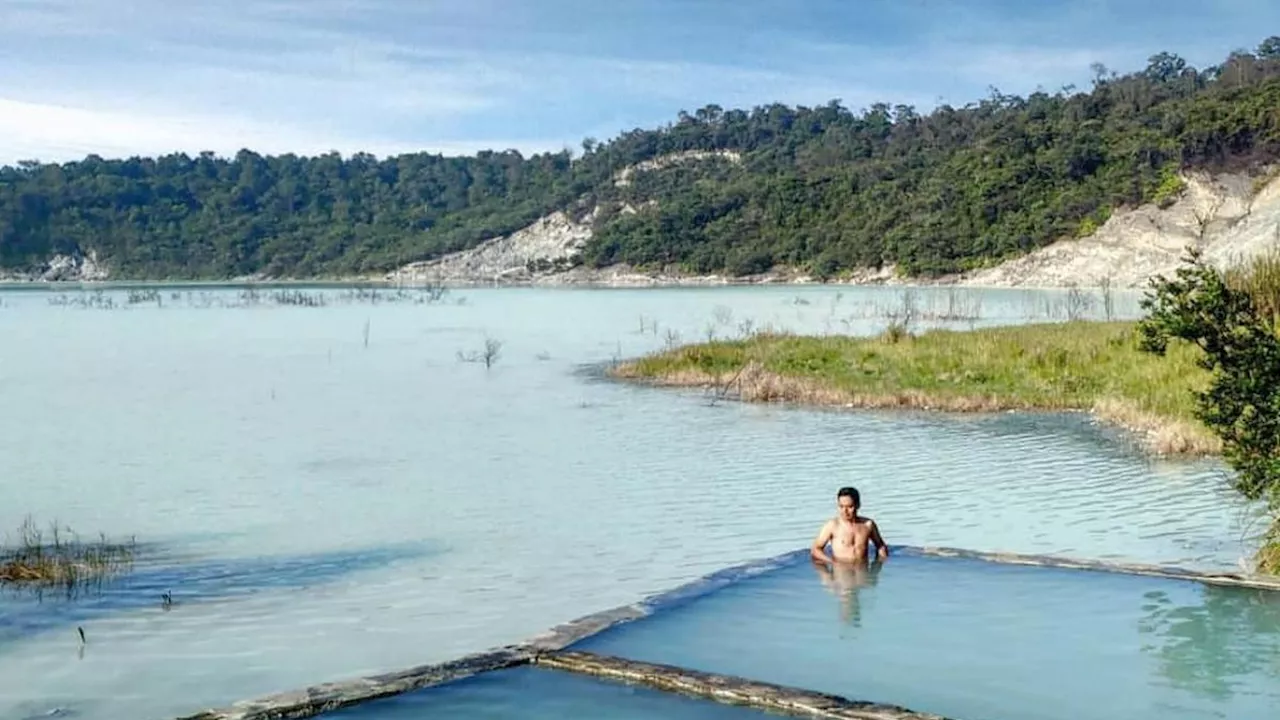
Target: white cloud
121	77
274	76
56	134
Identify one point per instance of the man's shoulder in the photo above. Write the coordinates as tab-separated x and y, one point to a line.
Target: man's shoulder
866	521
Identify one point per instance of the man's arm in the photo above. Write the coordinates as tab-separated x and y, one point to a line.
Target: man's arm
819	549
881	548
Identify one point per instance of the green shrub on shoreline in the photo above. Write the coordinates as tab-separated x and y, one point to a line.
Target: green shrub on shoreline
1232	318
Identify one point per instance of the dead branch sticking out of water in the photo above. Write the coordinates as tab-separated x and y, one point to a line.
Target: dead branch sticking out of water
964	305
60	560
489	355
955	305
251	297
719	387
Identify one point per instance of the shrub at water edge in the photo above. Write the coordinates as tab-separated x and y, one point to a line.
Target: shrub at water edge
1229	316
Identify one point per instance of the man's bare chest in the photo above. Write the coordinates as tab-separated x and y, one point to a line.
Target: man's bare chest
850	533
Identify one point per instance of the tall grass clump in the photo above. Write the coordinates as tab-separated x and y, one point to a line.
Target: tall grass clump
1259	278
60	559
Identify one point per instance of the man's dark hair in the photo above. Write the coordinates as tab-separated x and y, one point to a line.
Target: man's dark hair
850	492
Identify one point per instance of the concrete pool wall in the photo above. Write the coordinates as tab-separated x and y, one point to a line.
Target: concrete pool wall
549	650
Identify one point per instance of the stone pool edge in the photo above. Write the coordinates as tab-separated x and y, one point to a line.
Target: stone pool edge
317	699
724	689
1168	572
326	697
562	636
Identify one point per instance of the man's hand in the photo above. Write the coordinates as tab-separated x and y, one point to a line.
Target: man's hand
882	550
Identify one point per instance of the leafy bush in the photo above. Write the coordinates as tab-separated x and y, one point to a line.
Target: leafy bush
1242	352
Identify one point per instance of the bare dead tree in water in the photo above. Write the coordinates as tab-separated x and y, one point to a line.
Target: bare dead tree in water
671	338
719	389
1108	298
901	320
1078	302
489	355
434	291
651	326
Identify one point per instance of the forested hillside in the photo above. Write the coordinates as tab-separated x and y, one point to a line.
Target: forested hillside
819	188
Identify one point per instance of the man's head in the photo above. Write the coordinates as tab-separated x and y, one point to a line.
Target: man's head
848	500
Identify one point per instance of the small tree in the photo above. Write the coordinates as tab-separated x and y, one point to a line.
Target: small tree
488	356
1242	352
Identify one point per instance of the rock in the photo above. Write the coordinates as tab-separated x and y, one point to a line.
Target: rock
1221	215
63	268
550	245
727	689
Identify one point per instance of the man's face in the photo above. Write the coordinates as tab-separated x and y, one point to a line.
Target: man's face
847	508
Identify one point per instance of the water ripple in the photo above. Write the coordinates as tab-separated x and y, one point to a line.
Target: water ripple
244	435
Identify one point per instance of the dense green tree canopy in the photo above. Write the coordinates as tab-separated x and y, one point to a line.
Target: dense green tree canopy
821	188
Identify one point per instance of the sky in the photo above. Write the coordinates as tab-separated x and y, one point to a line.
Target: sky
120	78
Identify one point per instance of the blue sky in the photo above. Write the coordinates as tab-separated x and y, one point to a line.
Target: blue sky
125	77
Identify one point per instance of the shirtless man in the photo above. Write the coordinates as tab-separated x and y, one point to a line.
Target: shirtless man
848	533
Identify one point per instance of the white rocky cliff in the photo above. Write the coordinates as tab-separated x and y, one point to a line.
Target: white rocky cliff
549	245
63	268
1229	217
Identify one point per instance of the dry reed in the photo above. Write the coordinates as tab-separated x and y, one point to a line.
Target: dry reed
60	559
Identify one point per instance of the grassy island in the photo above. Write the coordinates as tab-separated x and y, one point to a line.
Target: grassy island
1081	365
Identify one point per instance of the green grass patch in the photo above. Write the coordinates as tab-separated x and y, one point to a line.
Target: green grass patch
1169	188
1093	366
1259	276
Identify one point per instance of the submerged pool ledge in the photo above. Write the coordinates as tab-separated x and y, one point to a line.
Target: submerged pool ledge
724	688
1229	579
326	697
548	649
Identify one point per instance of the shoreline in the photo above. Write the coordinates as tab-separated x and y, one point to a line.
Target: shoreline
745	377
1156	435
627	282
616	276
1229	216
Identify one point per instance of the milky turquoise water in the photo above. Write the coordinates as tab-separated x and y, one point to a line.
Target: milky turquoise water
527	693
971	639
322	507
